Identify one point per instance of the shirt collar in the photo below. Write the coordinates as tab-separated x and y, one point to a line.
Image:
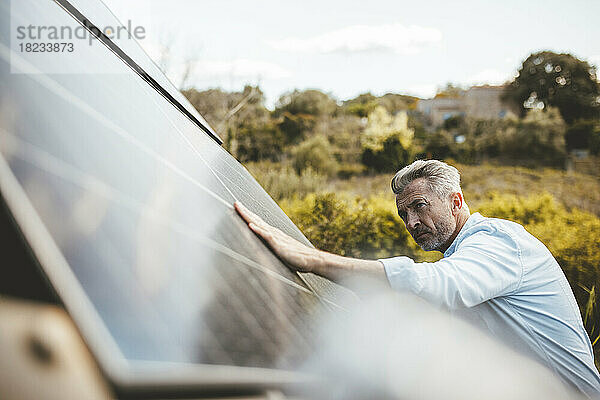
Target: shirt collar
472	220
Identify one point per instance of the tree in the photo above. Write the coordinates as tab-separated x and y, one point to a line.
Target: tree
361	105
312	102
539	138
560	80
254	143
315	153
387	141
398	102
451	91
595	141
242	120
580	135
382	125
440	145
230	110
295	126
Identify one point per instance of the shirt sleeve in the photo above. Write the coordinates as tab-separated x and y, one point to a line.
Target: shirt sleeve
486	265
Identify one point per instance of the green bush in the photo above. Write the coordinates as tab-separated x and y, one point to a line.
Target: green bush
454	122
361	105
315	153
255	143
540	136
387	141
311	101
295	126
440	145
591	318
348	170
391	158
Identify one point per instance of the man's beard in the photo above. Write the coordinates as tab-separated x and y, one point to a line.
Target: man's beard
444	230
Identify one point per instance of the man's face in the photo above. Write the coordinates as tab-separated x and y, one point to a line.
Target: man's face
428	218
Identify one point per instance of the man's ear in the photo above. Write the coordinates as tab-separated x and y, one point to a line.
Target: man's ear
456	203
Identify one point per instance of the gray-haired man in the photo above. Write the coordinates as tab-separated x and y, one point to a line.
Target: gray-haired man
493	271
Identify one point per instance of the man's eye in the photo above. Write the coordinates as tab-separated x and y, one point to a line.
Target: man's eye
420	205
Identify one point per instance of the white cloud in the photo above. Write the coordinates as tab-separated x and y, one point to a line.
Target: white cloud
425	91
240	69
595	60
363	38
175	60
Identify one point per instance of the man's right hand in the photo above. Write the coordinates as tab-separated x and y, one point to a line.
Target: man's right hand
297	255
307	259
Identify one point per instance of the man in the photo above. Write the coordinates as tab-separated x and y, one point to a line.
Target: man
493	272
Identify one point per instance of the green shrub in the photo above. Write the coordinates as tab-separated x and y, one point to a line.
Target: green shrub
540	136
311	101
536	140
454	122
387	141
294	127
591	316
315	153
255	143
361	109
392	157
361	105
440	145
348	170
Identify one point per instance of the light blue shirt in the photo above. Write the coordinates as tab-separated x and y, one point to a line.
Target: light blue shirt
502	278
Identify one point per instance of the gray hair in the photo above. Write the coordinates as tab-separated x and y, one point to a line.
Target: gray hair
442	178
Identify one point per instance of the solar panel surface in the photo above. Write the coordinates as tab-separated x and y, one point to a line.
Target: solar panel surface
139	202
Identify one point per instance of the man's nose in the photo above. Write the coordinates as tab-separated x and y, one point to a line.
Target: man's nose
412	222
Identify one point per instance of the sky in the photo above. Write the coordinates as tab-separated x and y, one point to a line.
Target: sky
346	48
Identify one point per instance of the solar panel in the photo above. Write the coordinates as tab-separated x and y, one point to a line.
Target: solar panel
127	204
127	47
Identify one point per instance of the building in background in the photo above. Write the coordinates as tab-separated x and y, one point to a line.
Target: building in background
440	109
480	102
